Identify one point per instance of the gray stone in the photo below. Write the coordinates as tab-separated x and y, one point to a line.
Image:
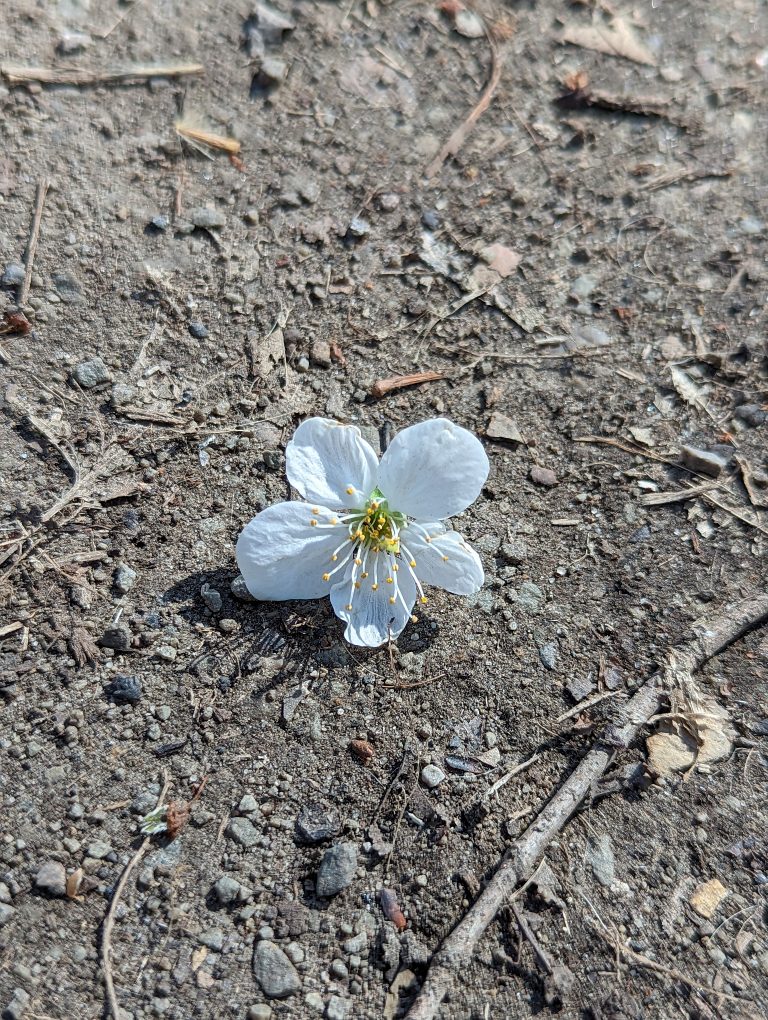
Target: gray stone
337	1008
13	275
125	689
530	597
274	972
69	288
207	219
502	427
242	831
601	859
166	652
240	589
706	462
125	578
580	687
514	552
316	823
248	804
320	353
548	655
259	1011
99	849
337	869
118	637
198	330
213	938
357	944
359	227
51	878
17	1007
271	71
227	891
89	374
211	598
72	42
6	913
314	1001
122	394
543	476
432	776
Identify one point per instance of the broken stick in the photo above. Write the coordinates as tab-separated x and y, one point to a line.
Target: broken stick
34	234
459	136
453	956
16	75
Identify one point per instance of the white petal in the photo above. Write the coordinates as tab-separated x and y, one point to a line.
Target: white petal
325	460
282	556
433	470
446	561
373	619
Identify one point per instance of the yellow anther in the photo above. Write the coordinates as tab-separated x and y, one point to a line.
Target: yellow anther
334	520
392	600
395	567
414	619
350	491
390	581
313	523
427	538
326	577
334	558
445	559
358	561
348	607
357	585
423	600
374	587
315	509
412	563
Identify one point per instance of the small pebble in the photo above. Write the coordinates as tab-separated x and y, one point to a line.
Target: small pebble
51	878
197	330
125	578
89	374
432	776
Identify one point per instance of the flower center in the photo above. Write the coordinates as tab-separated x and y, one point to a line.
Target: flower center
376	527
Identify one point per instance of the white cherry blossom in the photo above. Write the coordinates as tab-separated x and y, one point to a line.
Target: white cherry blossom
371	533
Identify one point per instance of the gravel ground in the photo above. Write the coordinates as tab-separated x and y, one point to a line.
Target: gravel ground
585	274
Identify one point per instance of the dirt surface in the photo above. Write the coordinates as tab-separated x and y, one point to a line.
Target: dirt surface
228	299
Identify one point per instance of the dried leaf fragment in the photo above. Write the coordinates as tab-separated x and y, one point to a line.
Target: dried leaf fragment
362	750
398	382
707	897
617	39
391	909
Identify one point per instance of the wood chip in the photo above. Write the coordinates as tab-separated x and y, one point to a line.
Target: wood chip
398	382
707	897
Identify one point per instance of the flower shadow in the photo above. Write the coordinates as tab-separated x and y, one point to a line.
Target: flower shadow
288	643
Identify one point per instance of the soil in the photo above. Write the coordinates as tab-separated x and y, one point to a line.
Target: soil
229	299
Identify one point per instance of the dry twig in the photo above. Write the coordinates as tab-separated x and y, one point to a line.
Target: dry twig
109	920
453	956
29	258
459	136
16	75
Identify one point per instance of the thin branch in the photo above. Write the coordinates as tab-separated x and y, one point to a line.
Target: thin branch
29	258
109	920
453	956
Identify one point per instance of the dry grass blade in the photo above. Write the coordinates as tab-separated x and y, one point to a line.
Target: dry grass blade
678	496
207	139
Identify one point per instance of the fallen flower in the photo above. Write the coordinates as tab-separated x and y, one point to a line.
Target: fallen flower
371	534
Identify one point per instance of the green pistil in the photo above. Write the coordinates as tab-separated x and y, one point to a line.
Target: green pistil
376	526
